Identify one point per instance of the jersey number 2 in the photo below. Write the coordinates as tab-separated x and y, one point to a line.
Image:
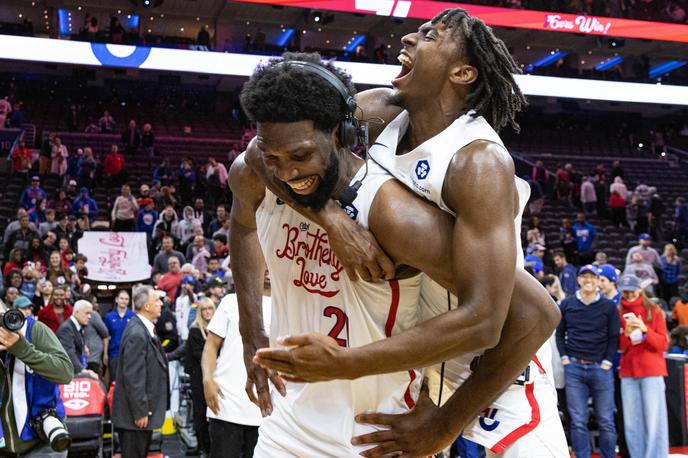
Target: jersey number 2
341	323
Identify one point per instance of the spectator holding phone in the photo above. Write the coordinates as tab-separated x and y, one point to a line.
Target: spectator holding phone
642	343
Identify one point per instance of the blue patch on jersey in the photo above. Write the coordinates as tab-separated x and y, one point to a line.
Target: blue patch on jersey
422	169
493	423
351	211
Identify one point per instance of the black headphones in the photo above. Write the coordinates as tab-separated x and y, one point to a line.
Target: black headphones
352	133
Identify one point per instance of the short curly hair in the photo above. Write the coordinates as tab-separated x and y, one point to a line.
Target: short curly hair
284	93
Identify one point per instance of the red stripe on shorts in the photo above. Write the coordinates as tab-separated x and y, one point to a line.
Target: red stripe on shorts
389	325
522	430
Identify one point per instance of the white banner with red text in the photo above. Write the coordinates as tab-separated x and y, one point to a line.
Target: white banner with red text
115	257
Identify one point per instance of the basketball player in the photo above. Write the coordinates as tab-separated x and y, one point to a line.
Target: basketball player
386	216
479	177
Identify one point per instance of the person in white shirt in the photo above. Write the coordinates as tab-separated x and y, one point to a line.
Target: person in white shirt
234	419
182	306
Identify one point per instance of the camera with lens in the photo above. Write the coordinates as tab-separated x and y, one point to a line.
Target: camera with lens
51	429
12	320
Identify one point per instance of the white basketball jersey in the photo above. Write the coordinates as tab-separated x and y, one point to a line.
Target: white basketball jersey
519	410
312	293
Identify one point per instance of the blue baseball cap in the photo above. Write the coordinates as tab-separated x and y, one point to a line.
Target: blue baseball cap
645	236
22	302
629	283
608	271
589	268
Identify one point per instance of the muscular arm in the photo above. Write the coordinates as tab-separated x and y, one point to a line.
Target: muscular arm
248	272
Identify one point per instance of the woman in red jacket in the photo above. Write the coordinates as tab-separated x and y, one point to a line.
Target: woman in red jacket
643	368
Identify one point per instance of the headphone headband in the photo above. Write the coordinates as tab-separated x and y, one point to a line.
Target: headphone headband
328	76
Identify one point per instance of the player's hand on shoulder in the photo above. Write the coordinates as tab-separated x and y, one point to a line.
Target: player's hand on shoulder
417	433
307	358
357	250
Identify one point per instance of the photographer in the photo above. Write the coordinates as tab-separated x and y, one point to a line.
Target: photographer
33	346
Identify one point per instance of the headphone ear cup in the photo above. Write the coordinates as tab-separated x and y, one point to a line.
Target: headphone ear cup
348	133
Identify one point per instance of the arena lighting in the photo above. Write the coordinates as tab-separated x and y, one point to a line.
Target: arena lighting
215	63
609	63
359	40
665	68
285	37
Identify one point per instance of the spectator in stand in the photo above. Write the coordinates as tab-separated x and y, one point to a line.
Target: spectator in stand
44	154
192	249
588	196
216	174
619	187
124	211
617	207
167	198
567	273
587	339
657	209
62	204
170	281
32	194
72	190
20	238
116	321
540	175
57	311
49	224
201	256
67	229
16	119
680	311
57	273
639	268
14	279
203	38
37	215
73	118
114	168
14	225
681	221
187	181
84	205
165	173
201	214
647	253
608	280
14	261
87	169
144	192
23	304
187	226
148	142
168	221
161	261
563	183
233	153
36	253
671	270
58	156
224	230
585	237
215	268
643	342
216	224
5	110
11	294
106	123
146	217
183	304
131	138
198	333
617	170
534	260
600	258
22	160
537	196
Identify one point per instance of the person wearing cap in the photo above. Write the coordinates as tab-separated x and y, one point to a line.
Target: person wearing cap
587	340
24	305
567	273
146	217
608	279
84	205
643	368
215	289
32	194
141	392
648	254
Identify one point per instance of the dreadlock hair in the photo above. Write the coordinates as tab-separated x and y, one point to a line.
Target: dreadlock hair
287	93
495	94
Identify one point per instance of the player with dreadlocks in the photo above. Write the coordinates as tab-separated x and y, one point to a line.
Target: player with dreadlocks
454	91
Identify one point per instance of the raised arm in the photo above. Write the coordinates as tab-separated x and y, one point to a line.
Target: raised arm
249	270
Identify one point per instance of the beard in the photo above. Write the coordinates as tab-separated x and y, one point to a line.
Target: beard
319	198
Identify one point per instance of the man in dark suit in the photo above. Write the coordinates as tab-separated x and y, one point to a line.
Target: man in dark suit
142	388
71	336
